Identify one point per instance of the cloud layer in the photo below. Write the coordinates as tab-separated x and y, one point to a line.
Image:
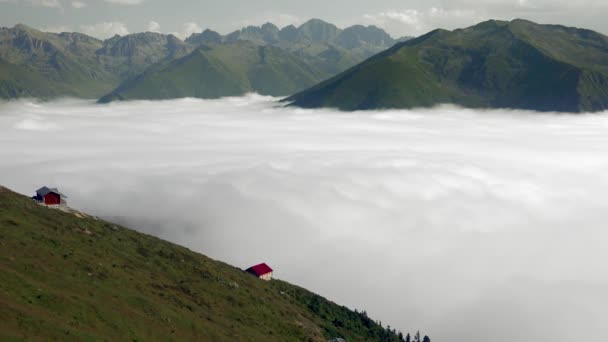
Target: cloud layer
468	225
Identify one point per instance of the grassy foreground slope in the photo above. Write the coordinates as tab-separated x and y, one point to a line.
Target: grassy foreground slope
495	64
69	277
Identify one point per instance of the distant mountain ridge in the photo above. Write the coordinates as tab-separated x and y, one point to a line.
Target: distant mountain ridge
326	46
135	52
314	31
47	65
270	61
495	64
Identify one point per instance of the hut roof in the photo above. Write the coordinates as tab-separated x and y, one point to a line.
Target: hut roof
259	270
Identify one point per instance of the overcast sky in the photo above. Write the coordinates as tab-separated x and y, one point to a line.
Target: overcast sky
104	18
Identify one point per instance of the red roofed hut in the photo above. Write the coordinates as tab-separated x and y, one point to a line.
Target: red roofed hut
50	197
261	271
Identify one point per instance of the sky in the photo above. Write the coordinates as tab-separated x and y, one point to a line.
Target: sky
468	225
104	18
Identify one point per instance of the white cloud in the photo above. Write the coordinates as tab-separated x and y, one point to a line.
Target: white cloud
56	29
188	29
105	29
125	2
279	19
36	3
78	4
415	22
469	225
153	26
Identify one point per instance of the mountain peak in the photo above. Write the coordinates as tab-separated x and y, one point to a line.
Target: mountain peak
27	30
359	36
524	21
316	21
495	22
269	26
24	27
558	69
206	37
318	31
318	24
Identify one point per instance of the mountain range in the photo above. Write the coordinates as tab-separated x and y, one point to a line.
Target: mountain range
71	276
495	64
47	65
328	47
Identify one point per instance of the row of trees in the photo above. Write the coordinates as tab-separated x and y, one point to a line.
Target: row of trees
390	334
417	338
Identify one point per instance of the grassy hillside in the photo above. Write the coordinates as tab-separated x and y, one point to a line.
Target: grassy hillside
495	64
223	70
68	276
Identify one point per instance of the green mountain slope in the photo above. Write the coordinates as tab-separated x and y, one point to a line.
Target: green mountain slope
47	65
67	276
496	64
230	69
131	55
18	81
321	44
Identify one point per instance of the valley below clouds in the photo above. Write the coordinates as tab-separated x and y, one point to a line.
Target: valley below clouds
468	225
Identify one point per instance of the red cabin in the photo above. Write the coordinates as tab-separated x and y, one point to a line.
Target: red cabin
261	271
50	197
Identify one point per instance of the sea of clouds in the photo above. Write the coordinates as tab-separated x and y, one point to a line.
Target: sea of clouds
468	225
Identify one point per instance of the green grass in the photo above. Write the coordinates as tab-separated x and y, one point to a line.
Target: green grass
64	277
